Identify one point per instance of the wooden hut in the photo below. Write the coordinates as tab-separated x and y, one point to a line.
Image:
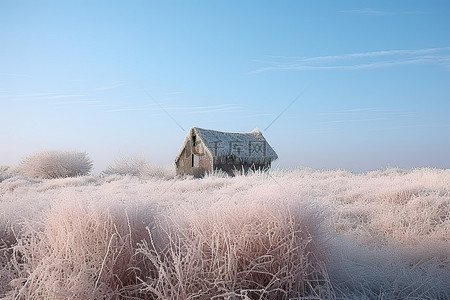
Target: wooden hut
205	150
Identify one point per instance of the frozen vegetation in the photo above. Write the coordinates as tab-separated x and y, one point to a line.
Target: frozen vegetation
297	234
55	164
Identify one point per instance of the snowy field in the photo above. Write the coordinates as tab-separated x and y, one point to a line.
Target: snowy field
297	234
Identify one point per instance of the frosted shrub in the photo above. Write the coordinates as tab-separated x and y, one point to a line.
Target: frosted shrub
80	251
135	166
245	251
55	164
138	166
165	172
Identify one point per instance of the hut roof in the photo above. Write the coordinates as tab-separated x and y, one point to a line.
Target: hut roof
247	147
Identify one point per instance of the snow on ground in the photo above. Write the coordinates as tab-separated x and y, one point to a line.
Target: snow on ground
328	234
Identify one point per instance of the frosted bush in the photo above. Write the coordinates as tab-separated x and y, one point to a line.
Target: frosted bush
135	166
138	166
164	172
55	164
80	251
252	250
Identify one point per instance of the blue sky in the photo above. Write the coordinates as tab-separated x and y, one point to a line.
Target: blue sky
350	84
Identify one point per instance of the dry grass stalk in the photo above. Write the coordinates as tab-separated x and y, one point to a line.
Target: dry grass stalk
252	250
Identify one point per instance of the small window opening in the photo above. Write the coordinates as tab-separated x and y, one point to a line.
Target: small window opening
195	160
194	140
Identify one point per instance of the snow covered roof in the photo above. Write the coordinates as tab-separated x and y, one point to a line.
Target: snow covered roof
247	147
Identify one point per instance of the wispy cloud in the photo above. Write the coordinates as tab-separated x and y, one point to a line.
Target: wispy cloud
366	111
174	93
124	108
14	75
414	126
110	87
366	11
180	109
360	115
56	96
359	60
39	96
258	115
23	75
414	12
77	102
375	12
357	120
347	111
205	109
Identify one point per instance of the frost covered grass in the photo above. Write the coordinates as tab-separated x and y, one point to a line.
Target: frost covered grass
298	234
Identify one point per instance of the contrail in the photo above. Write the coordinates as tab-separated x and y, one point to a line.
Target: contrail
164	110
287	107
